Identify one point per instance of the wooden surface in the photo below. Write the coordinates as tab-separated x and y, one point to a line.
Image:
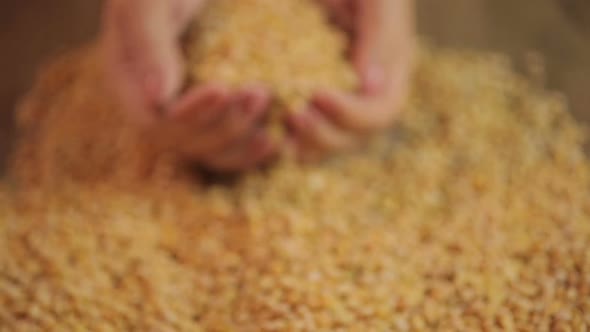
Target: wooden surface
33	30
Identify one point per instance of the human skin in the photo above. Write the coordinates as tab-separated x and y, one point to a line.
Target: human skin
382	51
221	126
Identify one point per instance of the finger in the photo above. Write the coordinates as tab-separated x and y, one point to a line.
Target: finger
386	38
126	92
121	78
184	134
237	120
195	113
196	105
143	41
316	130
255	152
356	113
369	43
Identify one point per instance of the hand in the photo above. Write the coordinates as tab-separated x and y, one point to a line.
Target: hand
382	33
209	124
219	128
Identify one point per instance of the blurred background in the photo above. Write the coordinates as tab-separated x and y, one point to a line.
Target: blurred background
33	31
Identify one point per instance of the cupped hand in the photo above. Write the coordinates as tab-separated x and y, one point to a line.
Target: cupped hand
210	123
221	129
383	41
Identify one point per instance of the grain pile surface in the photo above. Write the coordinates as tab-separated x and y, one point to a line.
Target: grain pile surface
477	217
473	216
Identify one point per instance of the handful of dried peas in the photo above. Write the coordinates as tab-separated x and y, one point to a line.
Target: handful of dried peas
287	46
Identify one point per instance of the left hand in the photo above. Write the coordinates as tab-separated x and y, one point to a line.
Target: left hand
382	52
209	124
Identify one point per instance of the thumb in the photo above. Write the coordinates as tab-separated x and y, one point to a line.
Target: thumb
147	50
368	44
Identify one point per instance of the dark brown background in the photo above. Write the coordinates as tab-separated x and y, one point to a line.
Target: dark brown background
33	30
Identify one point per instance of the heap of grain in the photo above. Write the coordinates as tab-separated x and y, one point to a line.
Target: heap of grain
475	216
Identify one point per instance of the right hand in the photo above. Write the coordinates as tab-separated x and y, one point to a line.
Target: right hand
383	43
210	123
